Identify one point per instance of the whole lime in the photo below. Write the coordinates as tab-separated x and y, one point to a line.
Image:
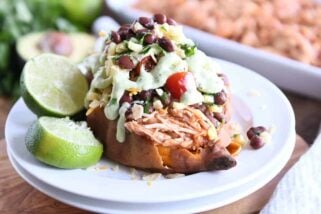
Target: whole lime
83	12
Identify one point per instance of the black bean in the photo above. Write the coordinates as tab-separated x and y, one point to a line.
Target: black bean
133	74
200	107
160	18
146	22
144	95
212	119
125	62
259	129
125	27
126	32
125	98
166	44
129	115
255	131
149	39
250	133
219	116
154	94
123	34
115	37
147	63
220	98
256	142
130	34
171	21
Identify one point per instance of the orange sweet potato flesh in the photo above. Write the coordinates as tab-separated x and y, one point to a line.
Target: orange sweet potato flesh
140	152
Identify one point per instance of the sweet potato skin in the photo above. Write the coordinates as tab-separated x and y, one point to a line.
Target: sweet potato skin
135	151
141	153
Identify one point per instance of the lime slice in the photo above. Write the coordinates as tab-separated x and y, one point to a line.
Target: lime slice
52	86
63	143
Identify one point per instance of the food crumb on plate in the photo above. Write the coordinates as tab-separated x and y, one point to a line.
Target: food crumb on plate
149	183
92	168
254	93
102	167
133	174
151	177
115	167
174	175
272	129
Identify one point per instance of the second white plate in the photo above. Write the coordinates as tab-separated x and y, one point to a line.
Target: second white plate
185	206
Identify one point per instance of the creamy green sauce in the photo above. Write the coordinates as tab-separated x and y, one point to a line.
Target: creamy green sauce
191	96
167	65
109	74
173	32
120	134
121	83
203	68
205	72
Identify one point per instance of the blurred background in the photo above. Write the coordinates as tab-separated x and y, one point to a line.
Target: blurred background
291	29
24	17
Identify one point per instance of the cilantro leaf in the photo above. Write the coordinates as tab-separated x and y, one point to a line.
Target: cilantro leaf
189	49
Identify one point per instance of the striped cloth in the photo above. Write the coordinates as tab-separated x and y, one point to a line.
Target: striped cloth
299	191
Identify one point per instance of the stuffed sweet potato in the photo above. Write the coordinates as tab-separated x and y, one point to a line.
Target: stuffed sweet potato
159	104
140	150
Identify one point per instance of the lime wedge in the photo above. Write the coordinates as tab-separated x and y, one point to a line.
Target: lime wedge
53	86
63	143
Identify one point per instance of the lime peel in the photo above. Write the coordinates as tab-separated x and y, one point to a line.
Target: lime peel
63	143
52	86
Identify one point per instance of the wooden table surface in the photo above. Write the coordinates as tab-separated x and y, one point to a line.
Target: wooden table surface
17	196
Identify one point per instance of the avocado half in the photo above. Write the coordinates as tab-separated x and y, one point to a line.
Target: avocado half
82	44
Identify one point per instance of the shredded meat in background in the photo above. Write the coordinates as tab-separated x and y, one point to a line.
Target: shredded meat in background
181	127
291	28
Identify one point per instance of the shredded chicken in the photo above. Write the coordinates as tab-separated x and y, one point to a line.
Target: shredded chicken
180	127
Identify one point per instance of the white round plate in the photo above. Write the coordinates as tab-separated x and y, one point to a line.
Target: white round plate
186	206
256	101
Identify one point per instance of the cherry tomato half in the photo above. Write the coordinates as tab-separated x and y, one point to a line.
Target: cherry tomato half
177	83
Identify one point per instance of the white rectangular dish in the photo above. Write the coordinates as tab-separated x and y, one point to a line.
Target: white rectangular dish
286	73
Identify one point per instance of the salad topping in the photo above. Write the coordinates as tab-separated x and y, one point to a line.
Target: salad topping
152	64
